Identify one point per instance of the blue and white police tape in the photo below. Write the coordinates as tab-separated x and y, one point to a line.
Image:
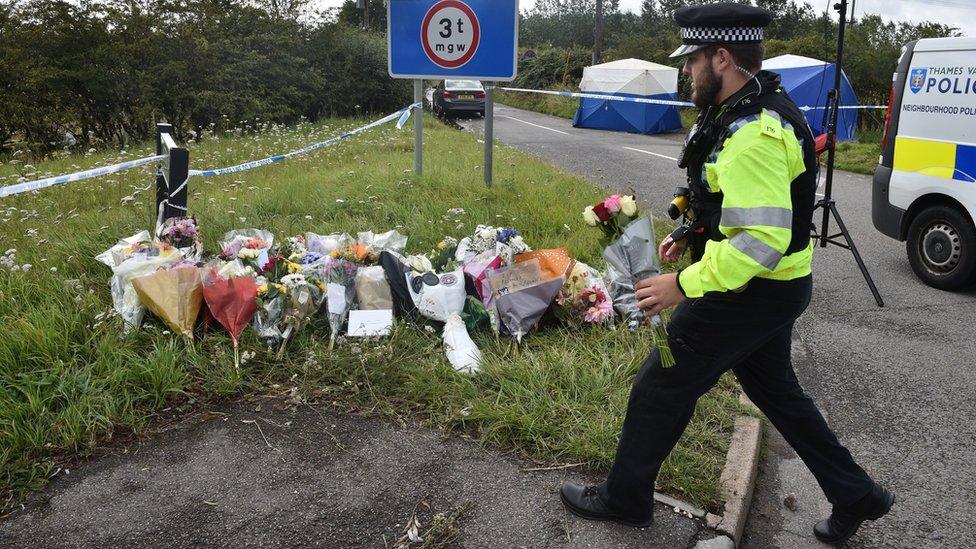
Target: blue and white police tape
844	107
78	176
400	116
657	101
606	97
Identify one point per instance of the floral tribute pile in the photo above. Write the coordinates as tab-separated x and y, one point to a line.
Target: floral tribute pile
488	280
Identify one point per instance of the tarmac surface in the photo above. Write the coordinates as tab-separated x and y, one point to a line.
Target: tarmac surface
896	383
302	476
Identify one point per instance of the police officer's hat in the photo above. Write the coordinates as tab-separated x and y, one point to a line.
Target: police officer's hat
721	23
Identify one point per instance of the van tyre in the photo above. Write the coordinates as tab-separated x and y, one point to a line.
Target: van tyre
942	248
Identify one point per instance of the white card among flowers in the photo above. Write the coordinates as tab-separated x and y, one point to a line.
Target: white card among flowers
370	323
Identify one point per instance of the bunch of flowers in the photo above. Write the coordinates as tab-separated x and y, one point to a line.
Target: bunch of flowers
130	258
340	279
442	256
584	297
304	296
244	249
485	238
612	214
252	254
294	249
357	253
181	232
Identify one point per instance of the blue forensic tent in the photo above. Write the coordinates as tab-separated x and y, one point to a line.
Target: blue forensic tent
807	81
629	78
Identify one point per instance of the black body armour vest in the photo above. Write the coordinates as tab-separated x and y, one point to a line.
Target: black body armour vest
705	142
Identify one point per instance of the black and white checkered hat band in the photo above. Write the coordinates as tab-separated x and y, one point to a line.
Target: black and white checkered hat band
714	35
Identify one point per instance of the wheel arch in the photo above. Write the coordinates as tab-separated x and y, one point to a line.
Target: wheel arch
929	200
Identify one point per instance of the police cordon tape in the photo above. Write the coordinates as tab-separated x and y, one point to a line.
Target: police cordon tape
605	97
78	176
401	116
647	101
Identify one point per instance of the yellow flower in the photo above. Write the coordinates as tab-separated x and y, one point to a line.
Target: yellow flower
281	288
441	245
262	289
294	267
334	254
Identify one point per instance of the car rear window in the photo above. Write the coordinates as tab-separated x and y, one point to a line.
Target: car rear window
462	85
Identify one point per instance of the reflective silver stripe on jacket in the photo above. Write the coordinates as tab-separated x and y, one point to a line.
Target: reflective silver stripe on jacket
756	249
767	216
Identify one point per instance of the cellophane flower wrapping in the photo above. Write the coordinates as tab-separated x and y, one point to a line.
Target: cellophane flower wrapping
130	258
584	297
340	281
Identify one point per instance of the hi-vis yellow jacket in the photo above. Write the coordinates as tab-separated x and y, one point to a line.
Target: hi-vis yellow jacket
754	171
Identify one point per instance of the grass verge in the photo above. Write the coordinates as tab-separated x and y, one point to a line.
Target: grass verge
69	381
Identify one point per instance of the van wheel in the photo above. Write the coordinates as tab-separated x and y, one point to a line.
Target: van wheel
942	248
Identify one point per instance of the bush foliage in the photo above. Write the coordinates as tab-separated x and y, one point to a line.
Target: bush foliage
106	71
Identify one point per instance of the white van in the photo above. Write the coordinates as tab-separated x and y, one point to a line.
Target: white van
925	184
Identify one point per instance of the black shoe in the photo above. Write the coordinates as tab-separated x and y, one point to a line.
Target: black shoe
586	502
844	521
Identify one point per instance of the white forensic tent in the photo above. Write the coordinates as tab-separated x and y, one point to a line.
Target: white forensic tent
629	78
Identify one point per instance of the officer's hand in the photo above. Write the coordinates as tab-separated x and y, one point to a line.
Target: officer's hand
670	251
658	293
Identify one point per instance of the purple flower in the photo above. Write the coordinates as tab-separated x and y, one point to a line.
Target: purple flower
504	235
311	257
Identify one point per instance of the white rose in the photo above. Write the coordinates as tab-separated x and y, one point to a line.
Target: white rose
589	216
421	264
249	253
628	205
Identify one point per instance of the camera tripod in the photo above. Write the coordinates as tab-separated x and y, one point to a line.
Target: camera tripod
827	203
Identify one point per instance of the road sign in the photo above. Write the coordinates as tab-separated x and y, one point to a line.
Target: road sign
435	39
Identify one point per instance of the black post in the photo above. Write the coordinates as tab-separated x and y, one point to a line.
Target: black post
162	190
179	171
171	175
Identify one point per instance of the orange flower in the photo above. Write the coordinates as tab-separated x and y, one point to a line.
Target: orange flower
360	252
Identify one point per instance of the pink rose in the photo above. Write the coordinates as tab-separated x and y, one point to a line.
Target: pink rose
612	203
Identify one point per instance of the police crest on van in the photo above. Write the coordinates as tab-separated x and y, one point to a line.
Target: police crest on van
918	79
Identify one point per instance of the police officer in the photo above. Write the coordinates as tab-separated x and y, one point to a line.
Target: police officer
752	178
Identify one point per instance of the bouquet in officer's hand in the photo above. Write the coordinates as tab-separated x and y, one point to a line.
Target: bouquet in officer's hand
631	256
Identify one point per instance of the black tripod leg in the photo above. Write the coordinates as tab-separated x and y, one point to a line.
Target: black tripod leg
857	255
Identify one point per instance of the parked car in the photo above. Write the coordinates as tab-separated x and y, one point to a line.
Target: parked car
924	190
454	97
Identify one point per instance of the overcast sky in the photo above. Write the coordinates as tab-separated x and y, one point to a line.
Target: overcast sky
960	13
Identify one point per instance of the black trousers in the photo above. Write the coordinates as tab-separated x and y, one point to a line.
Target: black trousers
748	332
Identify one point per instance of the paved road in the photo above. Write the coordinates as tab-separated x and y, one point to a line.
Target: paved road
897	384
297	476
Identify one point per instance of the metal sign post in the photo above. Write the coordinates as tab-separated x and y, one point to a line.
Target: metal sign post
453	39
418	128
489	129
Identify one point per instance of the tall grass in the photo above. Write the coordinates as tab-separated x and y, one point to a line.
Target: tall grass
70	379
